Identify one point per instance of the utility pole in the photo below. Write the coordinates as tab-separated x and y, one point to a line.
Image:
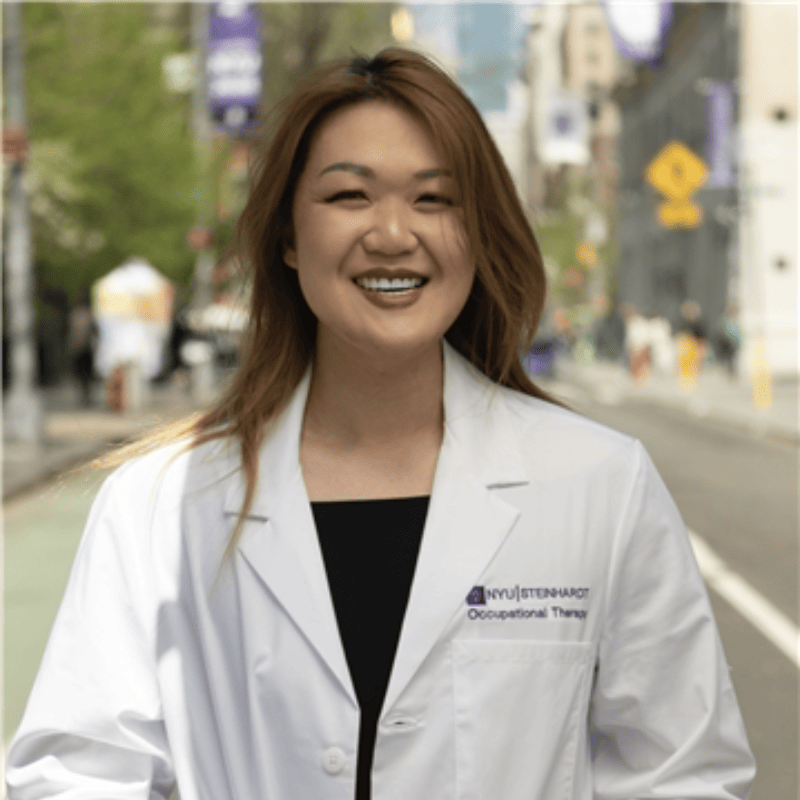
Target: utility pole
23	407
201	237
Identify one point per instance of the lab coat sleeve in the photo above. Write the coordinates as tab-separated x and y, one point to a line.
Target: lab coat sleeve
664	720
93	725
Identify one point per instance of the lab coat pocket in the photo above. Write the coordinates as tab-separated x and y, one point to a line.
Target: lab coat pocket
520	710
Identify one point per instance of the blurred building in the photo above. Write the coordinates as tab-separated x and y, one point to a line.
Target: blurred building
481	45
591	69
544	74
725	89
571	68
767	288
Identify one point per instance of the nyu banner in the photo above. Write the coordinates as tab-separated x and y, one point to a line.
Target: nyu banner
720	153
233	66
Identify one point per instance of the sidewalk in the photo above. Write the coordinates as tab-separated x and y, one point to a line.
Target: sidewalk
717	396
74	435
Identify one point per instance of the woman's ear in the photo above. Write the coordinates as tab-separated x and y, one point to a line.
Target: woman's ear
289	250
290	256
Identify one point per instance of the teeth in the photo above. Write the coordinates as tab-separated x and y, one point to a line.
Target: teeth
389	284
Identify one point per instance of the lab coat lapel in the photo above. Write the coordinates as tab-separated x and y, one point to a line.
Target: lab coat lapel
280	540
467	521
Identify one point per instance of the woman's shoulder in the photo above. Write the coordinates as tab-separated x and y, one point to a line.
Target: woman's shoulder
554	434
175	468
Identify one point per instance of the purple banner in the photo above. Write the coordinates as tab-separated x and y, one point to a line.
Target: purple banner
233	66
639	29
720	144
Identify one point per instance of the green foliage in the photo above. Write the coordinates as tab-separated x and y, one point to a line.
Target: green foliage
111	170
559	236
298	36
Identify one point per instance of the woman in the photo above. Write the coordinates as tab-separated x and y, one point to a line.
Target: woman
262	616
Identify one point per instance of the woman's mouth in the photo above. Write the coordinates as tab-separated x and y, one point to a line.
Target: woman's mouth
390	285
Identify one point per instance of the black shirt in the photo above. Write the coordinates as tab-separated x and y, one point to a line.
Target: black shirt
370	550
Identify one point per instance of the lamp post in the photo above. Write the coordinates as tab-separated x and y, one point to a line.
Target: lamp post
23	407
200	238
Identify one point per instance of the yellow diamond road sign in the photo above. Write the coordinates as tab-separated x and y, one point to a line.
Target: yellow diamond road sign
678	173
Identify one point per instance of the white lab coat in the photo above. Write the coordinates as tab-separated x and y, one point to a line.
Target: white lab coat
558	641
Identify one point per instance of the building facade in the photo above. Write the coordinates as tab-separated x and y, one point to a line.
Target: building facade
660	268
726	89
767	285
591	69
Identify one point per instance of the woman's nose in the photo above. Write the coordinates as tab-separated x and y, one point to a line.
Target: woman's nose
390	232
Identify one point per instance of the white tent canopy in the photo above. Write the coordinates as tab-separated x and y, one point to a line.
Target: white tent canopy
133	307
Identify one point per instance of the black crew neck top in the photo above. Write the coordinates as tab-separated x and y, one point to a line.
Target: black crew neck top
370	550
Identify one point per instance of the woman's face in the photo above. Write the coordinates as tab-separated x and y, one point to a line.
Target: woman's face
379	244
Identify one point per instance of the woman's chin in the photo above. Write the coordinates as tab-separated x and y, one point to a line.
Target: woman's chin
385	350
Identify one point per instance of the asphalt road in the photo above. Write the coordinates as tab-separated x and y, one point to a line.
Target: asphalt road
738	492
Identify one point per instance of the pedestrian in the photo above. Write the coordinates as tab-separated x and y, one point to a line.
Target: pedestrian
386	565
637	343
609	335
690	344
728	337
82	342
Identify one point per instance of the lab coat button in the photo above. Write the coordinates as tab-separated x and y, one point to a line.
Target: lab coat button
333	760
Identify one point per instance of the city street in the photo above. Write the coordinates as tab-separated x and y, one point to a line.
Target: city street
737	492
652	156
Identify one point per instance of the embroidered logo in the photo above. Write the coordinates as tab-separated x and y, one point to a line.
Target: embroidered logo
524	595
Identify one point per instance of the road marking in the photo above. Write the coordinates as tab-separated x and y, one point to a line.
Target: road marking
770	621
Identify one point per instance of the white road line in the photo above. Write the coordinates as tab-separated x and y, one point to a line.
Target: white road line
770	621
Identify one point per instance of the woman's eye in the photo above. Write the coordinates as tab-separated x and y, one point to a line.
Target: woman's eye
437	199
346	194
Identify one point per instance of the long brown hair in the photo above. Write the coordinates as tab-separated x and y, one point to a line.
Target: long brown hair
502	312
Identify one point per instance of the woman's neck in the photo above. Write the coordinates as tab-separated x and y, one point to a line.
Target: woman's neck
357	404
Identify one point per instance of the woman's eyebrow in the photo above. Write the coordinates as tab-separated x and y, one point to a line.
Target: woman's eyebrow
437	172
347	166
366	172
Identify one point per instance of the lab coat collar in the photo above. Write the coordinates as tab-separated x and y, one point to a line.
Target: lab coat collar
487	440
466	524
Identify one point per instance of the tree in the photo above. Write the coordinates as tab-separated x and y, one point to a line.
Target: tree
111	159
300	35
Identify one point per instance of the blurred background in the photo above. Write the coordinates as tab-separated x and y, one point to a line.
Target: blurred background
654	145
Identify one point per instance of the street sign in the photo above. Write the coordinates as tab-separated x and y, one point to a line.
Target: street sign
678	173
680	214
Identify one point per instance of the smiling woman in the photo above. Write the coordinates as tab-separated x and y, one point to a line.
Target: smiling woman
376	229
385	565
